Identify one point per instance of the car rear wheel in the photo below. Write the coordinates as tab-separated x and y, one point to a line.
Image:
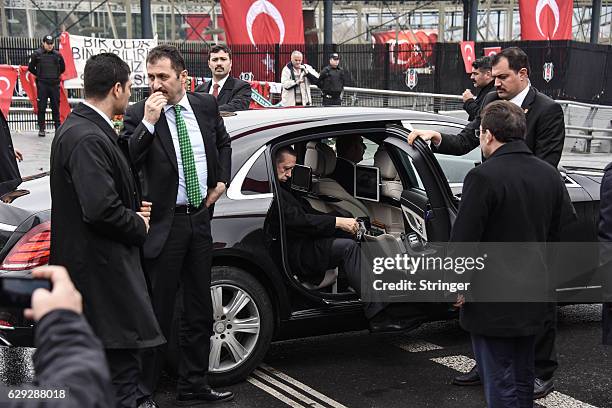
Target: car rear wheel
243	325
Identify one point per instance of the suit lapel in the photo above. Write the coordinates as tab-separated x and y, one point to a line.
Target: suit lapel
528	101
165	137
90	114
198	111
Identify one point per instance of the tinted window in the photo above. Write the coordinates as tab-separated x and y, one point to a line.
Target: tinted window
256	180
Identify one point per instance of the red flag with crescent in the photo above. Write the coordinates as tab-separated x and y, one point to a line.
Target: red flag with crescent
263	21
412	49
8	79
469	55
64	107
491	51
546	19
66	51
28	84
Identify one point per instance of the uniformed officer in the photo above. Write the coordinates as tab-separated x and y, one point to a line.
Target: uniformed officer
332	80
47	64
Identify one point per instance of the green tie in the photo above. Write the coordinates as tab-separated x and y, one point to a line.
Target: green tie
189	169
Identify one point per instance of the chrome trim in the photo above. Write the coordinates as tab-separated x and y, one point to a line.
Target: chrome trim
234	191
570	183
577	288
8	227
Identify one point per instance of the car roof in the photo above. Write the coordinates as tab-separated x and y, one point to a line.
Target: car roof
250	121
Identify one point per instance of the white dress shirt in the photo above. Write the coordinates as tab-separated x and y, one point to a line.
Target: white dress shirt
197	145
221	83
520	98
106	118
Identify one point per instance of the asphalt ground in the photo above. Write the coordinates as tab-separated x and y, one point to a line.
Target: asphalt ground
412	369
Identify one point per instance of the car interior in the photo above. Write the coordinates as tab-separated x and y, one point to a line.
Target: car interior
389	199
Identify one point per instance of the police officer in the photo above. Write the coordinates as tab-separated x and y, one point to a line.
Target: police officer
332	80
47	64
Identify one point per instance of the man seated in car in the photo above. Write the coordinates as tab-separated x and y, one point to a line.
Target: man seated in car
350	150
318	241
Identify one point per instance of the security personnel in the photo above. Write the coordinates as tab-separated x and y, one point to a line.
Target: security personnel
332	80
47	64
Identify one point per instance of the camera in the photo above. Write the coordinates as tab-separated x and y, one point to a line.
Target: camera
16	291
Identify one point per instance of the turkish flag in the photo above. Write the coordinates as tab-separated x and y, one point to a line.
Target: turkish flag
64	107
263	21
491	51
66	51
28	83
546	19
469	55
413	49
8	79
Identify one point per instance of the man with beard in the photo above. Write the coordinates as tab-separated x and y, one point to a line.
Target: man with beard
99	225
232	94
544	135
481	76
178	142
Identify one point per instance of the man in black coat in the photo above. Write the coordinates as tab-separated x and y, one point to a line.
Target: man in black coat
47	65
232	94
10	177
69	357
483	80
545	135
545	125
179	144
512	197
605	251
99	225
332	81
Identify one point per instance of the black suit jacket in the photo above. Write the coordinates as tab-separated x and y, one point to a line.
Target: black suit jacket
9	171
96	232
234	96
513	197
545	129
605	251
473	106
344	174
153	156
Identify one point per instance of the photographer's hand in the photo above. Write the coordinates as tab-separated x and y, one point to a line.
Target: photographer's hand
63	295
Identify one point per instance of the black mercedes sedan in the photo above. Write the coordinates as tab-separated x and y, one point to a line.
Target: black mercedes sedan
257	298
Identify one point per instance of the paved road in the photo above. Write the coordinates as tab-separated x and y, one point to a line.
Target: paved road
387	371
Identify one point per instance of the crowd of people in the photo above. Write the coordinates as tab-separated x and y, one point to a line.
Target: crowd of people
145	228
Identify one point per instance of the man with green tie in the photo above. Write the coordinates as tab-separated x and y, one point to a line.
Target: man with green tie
179	145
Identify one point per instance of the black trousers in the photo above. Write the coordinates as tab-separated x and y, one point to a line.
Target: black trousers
124	365
346	254
185	262
545	352
331	101
45	92
506	367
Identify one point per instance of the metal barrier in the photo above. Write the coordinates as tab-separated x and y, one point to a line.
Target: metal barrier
588	127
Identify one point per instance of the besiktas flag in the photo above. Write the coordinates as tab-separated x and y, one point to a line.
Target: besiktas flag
546	19
263	21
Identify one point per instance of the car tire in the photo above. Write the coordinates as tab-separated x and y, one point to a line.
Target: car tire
233	281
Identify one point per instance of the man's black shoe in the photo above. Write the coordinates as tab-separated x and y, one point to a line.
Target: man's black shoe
542	388
41	133
205	395
471	378
148	403
383	323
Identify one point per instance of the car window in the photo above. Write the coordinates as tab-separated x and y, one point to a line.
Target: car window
455	168
368	155
413	175
256	180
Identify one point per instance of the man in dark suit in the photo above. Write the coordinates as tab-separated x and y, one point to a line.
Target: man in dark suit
483	80
512	197
99	225
232	94
10	177
350	151
545	135
545	126
605	251
179	144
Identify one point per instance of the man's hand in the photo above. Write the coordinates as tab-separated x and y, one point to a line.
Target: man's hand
63	295
460	301
214	194
349	225
145	219
18	155
432	135
145	212
153	107
467	95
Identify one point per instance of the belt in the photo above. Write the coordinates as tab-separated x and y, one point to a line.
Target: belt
187	209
